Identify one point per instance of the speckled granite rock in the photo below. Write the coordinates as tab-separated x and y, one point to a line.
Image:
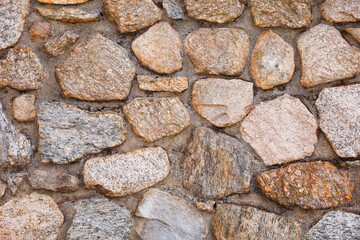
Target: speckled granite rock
53	181
64	2
67	133
354	32
57	46
311	185
2	189
207	206
14	182
68	14
168	217
165	84
40	29
24	109
174	9
341	10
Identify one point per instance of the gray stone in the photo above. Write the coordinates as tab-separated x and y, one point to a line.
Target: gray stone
53	181
2	189
337	11
68	14
174	9
166	84
14	182
57	46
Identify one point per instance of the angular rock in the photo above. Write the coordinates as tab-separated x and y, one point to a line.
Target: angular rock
166	84
67	133
155	118
34	216
234	222
341	10
326	56
40	29
63	2
168	217
24	108
311	185
174	9
354	32
207	206
68	14
57	46
131	16
218	50
222	102
97	70
272	61
124	174
53	181
14	182
2	190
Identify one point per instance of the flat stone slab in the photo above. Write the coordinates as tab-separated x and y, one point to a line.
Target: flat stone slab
173	9
162	84
63	2
68	14
24	109
58	45
40	29
337	11
354	32
53	181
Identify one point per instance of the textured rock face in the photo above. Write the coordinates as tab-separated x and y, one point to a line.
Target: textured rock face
272	61
218	50
341	10
57	46
326	56
155	118
173	9
67	133
166	84
354	32
64	2
68	14
234	222
14	182
123	174
217	165
222	102
207	206
53	181
100	219
339	112
2	189
281	130
168	217
40	29
24	109
97	70
312	185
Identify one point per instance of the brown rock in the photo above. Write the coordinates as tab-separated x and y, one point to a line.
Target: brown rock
6	234
24	109
162	84
53	181
14	182
68	14
2	190
341	10
64	2
57	46
40	29
354	32
207	206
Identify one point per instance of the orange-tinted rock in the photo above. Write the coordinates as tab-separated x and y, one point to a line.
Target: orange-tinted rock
64	2
341	10
57	46
68	14
40	29
207	206
166	84
24	109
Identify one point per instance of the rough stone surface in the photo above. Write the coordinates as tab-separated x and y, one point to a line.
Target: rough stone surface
217	165
63	2
272	61
97	70
159	49
53	181
2	190
339	112
312	185
100	219
40	29
168	217
222	102
354	32
166	84
24	109
234	222
67	133
155	118
58	45
341	10
174	9
33	217
14	182
123	174
68	14
281	130
326	56
218	50
207	206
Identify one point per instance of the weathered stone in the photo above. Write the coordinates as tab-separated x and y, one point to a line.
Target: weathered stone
354	32
234	222
24	109
124	174
131	16
166	84
6	234
53	181
99	219
97	70
2	190
159	49
168	217
57	46
174	9
207	206
68	133
33	217
272	61
311	185
341	10
217	165
155	118
63	2
40	29
68	14
14	182
222	102
326	56
218	50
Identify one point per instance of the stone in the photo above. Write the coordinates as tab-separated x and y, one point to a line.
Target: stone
6	234
53	181
24	109
14	182
207	206
336	225
339	113
163	84
272	61
40	29
124	174
154	118
165	216
354	32
57	46
216	165
159	49
63	2
2	190
97	70
68	14
234	222
173	9
12	21
222	102
21	69
217	11
337	11
326	56
131	16
310	185
32	217
99	218
281	13
218	50
67	133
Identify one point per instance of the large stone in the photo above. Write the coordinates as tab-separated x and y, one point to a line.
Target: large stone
326	56
24	108
281	130
53	181
63	2
218	50
97	70
155	118
124	174
354	32
217	165
68	133
57	46
341	10
40	29
311	185
222	102
166	84
168	217
68	14
174	9
234	222
272	61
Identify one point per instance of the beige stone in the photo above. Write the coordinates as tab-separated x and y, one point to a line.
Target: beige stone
40	29
206	206
64	2
165	84
58	45
354	32
24	108
2	189
341	10
68	14
53	181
